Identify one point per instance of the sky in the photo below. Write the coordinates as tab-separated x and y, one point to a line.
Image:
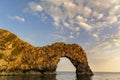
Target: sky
93	24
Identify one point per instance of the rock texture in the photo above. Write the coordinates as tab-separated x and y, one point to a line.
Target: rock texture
17	56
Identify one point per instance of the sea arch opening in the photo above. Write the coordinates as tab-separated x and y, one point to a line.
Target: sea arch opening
65	65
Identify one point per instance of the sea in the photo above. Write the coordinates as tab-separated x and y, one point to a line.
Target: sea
65	76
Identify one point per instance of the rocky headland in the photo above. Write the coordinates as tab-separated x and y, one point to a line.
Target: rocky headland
18	56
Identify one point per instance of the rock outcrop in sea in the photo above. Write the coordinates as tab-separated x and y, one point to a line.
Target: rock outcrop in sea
18	56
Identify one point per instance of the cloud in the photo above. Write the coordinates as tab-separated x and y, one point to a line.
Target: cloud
112	19
85	26
33	8
18	18
59	37
76	15
97	15
71	36
64	12
87	11
95	35
106	45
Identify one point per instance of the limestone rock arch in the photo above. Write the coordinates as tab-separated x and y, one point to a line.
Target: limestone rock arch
74	53
20	57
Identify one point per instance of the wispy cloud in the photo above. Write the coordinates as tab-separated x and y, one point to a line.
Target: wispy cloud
107	44
93	16
76	15
71	36
59	37
18	18
33	8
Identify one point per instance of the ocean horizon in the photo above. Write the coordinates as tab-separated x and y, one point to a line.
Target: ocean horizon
66	75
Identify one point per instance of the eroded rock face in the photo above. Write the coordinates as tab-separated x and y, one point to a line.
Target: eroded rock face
17	56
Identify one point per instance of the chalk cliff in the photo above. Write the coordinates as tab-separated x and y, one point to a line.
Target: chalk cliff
17	56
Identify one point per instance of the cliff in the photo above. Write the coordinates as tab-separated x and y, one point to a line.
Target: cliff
17	56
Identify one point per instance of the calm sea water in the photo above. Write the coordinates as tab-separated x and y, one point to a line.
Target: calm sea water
65	76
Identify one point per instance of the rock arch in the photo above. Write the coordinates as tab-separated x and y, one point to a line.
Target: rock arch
20	57
74	53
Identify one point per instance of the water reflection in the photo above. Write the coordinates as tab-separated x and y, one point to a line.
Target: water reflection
83	77
29	77
38	77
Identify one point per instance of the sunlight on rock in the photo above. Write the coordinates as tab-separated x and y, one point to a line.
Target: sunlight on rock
22	57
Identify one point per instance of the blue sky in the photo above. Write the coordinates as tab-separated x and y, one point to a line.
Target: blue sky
93	24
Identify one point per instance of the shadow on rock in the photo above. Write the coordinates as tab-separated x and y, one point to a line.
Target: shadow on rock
78	77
